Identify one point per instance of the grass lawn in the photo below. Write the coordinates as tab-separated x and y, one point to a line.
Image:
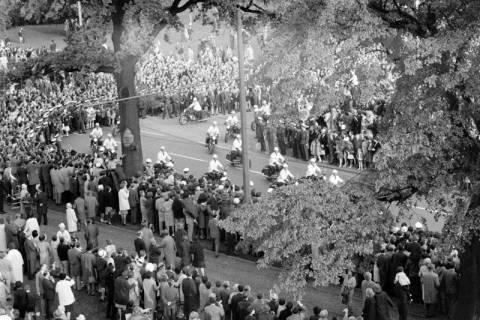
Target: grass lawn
40	35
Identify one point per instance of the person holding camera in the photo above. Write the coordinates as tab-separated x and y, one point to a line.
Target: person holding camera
65	293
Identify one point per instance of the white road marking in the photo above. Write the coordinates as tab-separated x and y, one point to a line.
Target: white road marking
153	133
188	157
217	146
205	161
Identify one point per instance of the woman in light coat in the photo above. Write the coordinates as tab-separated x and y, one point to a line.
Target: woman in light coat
71	220
123	203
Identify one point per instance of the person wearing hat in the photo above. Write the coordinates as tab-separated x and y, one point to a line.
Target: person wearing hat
313	170
214	165
163	157
285	175
212	133
96	133
110	144
236	147
276	160
335	178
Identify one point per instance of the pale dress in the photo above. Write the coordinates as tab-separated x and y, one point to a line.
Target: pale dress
150	293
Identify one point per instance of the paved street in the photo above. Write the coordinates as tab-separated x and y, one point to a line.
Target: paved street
186	145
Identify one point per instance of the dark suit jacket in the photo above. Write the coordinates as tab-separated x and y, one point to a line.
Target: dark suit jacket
189	288
48	289
42	201
139	245
450	282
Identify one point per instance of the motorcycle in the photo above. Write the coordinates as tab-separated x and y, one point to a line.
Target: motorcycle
275	185
231	132
271	172
95	144
215	175
189	115
211	143
235	160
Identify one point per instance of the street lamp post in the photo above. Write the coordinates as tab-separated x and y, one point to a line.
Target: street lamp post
243	112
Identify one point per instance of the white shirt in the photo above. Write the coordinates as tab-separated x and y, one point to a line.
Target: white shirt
265	109
30	225
196	106
237	144
284	175
213	131
65	294
336	180
231	121
276	158
65	235
313	170
163	157
110	144
96	133
214	165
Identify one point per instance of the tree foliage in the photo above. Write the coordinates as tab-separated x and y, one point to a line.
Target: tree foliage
286	224
422	58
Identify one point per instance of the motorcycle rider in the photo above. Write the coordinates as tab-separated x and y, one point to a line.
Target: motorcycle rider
196	107
232	122
96	133
335	178
214	165
148	168
110	144
163	157
285	175
237	147
313	170
212	133
276	160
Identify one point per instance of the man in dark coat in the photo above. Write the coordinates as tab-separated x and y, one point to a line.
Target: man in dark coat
91	233
41	200
383	304
261	135
46	178
155	252
31	255
449	284
3	192
48	285
139	243
281	137
190	292
304	147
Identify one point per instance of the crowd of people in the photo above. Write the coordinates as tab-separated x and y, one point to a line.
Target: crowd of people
10	55
167	277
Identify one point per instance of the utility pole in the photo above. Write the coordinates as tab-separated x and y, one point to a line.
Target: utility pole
243	111
79	6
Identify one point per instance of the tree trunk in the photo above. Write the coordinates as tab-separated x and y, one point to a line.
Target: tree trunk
468	304
129	119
